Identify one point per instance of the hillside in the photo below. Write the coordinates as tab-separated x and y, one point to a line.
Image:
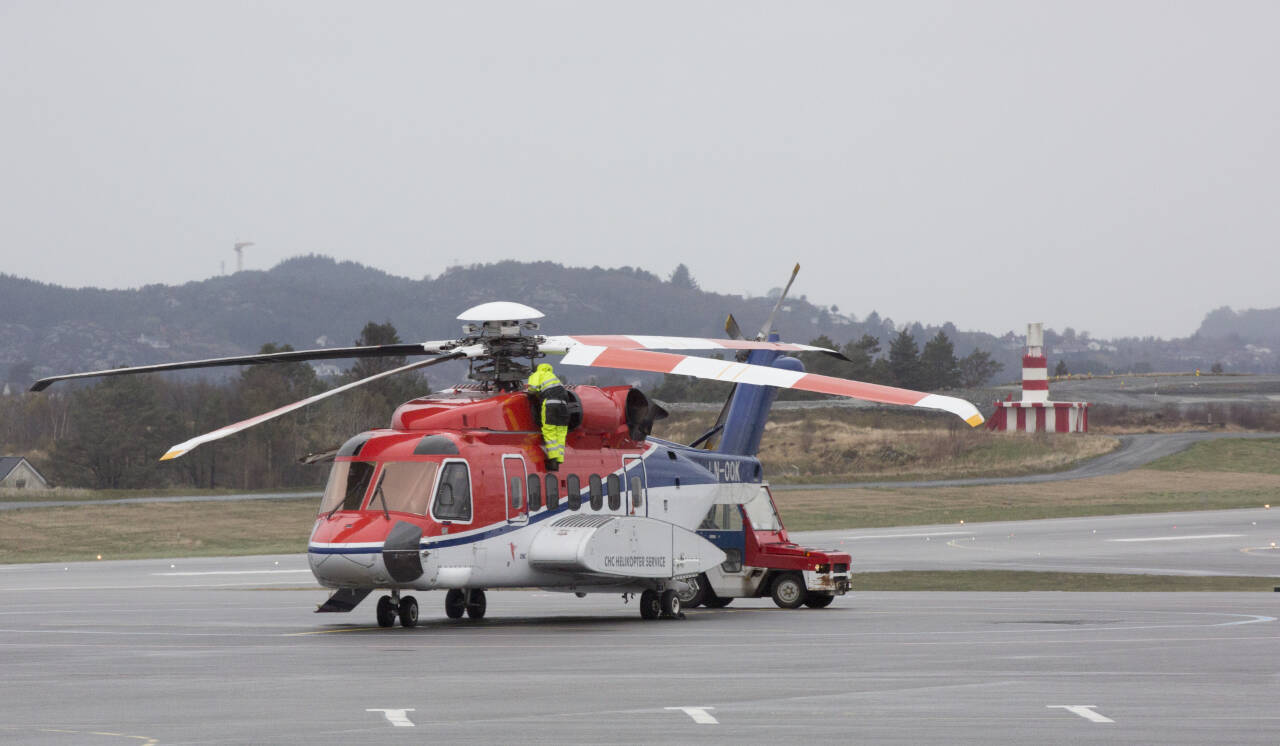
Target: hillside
314	301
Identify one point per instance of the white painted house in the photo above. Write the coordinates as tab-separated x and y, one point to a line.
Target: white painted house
16	473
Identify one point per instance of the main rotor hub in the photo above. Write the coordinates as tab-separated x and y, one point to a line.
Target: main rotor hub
500	327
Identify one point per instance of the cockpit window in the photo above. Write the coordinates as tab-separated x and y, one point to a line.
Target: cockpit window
348	481
453	495
406	486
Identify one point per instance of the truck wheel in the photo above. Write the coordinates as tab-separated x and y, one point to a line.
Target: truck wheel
712	601
819	600
696	593
789	591
650	605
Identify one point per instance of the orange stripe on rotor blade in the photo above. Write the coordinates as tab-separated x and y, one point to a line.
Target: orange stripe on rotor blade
657	362
857	389
606	340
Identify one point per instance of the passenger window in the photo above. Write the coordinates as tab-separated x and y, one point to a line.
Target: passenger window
453	495
535	492
637	494
733	518
553	491
709	521
573	491
517	493
615	492
597	492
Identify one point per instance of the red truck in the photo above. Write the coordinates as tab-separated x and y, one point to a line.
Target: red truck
763	561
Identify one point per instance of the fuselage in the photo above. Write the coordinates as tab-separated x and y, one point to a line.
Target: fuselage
460	481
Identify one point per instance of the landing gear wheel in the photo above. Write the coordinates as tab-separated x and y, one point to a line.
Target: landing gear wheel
819	600
695	592
455	604
386	612
789	591
650	605
408	612
476	604
712	601
670	604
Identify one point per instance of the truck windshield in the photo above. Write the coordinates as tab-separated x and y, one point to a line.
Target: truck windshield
761	513
406	486
348	481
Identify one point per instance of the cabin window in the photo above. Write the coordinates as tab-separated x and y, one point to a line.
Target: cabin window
614	486
453	494
573	491
348	481
405	486
553	491
517	493
597	492
637	494
535	492
722	518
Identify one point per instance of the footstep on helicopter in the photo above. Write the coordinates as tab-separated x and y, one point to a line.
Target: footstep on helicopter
455	494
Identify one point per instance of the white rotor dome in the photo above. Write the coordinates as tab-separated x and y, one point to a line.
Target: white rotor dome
500	310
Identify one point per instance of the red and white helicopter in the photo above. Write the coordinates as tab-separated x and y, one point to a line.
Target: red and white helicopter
454	494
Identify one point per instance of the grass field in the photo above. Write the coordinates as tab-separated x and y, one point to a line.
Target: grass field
1245	456
1139	491
823	445
156	530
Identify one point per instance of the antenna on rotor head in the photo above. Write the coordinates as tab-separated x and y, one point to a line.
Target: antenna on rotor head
499	326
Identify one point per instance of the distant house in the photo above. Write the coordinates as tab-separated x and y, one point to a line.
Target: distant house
17	473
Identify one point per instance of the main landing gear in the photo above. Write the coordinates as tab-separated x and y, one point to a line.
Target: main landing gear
654	604
470	602
393	606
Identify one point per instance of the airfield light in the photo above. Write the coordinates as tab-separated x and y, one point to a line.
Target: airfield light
99	556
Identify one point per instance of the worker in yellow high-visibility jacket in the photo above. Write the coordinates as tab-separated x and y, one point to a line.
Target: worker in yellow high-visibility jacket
554	407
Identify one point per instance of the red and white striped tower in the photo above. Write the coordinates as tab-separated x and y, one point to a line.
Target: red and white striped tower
1036	413
1035	367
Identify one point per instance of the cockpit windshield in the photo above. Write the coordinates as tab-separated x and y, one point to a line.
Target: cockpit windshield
761	513
406	486
348	481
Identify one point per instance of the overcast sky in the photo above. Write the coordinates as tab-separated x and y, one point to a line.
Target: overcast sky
1111	166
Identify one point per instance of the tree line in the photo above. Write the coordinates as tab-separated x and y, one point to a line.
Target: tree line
111	434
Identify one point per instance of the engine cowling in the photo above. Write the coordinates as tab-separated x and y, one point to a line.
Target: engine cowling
613	410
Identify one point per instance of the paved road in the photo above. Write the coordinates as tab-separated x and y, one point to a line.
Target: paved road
139	652
1134	451
1218	542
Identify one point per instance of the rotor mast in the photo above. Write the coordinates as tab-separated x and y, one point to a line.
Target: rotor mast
500	327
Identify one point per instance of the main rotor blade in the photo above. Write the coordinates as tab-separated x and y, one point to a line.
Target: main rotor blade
232	429
646	342
767	329
292	356
759	375
731	328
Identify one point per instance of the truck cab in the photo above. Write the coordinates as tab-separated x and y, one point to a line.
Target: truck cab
762	561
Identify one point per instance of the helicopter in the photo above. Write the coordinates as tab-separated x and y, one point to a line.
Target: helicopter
454	494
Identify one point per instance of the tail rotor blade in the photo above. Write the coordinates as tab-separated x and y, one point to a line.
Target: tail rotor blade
731	328
767	329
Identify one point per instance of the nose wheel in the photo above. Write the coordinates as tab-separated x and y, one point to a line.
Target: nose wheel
392	607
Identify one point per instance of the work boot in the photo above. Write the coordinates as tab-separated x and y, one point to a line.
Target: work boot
553	465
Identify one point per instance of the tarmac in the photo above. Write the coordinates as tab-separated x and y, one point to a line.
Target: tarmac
227	650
